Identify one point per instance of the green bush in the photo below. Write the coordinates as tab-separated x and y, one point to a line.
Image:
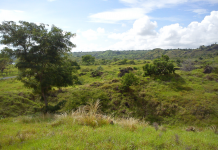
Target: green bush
160	66
128	79
100	68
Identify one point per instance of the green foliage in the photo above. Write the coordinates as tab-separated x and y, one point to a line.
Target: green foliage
40	54
61	75
127	80
5	58
188	65
82	97
212	50
160	66
123	62
132	62
88	59
74	64
188	98
100	68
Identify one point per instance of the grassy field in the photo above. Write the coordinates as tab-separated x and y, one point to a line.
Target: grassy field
152	114
90	130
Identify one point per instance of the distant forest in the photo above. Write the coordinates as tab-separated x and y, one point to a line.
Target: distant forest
203	51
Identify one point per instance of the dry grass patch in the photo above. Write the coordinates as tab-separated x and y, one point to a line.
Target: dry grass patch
89	115
130	123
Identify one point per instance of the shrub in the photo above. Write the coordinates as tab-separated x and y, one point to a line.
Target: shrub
128	79
188	65
85	70
132	62
100	68
160	66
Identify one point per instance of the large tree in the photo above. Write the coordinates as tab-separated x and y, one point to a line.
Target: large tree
40	53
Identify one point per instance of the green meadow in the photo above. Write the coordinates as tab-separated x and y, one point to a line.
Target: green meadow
176	111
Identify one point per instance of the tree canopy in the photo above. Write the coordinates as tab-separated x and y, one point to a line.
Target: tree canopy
161	66
88	59
41	54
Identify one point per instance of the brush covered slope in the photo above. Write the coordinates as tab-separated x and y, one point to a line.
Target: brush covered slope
188	97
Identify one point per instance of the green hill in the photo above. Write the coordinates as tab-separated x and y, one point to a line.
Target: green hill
202	51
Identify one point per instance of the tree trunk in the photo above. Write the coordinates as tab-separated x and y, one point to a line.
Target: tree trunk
45	100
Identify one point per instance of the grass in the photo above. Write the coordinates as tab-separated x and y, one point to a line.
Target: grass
73	131
186	97
71	135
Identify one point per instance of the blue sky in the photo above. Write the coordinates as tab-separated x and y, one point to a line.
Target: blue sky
123	24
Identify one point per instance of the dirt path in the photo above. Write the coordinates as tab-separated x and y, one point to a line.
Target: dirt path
8	77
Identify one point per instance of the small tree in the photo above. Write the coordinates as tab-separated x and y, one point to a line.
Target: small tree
40	53
132	62
128	79
161	66
88	59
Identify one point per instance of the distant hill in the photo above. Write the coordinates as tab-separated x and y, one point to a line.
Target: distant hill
202	51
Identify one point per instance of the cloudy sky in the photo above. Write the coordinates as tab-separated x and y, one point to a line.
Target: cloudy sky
123	24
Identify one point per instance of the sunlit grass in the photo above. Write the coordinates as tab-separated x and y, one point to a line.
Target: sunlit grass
66	132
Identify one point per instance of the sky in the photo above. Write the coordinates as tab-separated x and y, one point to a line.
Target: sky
123	24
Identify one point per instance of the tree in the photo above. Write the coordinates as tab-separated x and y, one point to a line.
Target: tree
40	53
5	58
62	74
161	66
74	64
127	80
88	59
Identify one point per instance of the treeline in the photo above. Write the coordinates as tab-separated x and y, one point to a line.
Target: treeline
209	51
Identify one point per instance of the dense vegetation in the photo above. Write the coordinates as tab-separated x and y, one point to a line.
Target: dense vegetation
150	104
203	51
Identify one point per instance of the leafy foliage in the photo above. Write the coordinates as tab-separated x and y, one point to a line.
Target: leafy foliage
5	59
88	59
203	52
40	54
127	80
160	66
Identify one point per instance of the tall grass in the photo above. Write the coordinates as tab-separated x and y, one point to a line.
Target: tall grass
88	115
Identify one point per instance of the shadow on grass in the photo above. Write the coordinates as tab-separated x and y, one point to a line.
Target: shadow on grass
175	81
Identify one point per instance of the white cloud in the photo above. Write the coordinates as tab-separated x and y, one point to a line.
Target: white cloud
143	36
144	26
84	46
90	34
93	35
117	15
141	27
123	25
129	1
100	30
12	15
200	11
139	8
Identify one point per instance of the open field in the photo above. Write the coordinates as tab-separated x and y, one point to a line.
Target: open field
80	131
152	114
188	97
